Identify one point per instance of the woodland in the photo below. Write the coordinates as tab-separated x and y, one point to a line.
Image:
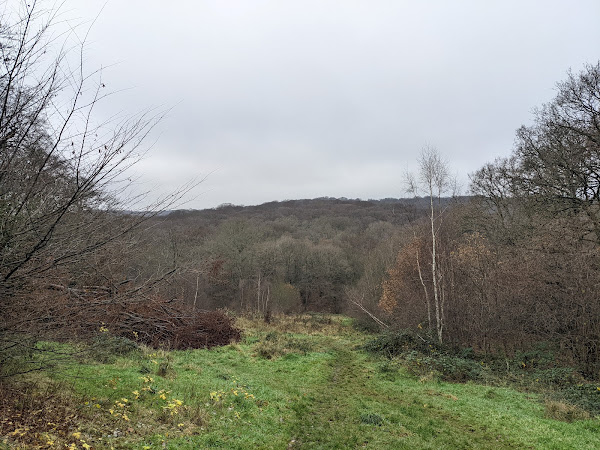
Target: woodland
511	267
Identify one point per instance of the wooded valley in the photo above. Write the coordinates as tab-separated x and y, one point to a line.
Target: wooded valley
510	268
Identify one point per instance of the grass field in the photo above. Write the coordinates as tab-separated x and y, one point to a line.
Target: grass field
299	382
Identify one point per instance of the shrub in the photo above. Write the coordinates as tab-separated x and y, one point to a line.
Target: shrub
454	368
104	347
558	376
366	325
541	356
425	356
396	343
583	395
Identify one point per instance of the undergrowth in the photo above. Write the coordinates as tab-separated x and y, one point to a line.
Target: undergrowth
535	370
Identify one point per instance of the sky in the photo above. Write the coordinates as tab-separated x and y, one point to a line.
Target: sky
289	99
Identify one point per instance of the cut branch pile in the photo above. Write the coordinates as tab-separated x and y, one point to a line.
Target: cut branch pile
65	313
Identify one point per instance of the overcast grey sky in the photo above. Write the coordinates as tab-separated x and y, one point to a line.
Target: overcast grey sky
295	99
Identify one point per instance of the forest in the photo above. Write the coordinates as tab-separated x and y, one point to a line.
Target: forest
515	261
511	266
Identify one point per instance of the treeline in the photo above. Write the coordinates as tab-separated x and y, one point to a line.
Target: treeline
519	265
288	256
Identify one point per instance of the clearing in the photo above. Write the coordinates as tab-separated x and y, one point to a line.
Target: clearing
299	382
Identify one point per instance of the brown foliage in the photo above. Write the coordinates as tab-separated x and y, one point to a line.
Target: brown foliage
29	414
402	288
163	324
503	298
66	313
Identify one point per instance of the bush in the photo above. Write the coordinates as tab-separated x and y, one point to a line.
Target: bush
557	376
366	325
425	355
585	396
446	367
541	356
105	347
454	368
396	343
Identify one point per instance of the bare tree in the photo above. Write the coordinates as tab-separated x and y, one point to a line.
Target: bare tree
554	168
63	183
434	179
62	176
539	212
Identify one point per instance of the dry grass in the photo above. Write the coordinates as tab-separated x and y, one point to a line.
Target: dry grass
309	324
300	333
564	412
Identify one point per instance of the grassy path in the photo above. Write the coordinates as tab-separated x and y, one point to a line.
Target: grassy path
348	409
326	417
296	384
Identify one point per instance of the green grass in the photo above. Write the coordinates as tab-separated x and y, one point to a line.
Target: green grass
301	383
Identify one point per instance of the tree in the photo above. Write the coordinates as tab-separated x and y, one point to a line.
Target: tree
433	178
555	166
539	214
63	184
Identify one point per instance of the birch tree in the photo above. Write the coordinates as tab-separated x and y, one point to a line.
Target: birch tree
434	180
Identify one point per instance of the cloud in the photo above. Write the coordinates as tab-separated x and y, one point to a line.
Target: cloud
310	98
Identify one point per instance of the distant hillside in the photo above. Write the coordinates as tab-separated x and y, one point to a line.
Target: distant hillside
397	211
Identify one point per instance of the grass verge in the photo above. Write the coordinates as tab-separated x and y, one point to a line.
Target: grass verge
298	382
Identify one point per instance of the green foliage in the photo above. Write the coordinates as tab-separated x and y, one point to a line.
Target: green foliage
389	366
585	396
557	377
423	355
366	325
541	356
536	369
448	367
396	343
105	348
